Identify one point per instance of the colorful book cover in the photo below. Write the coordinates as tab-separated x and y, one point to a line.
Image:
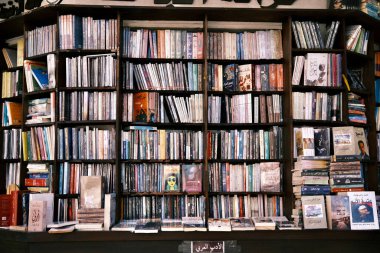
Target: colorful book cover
363	210
140	106
229	77
338	212
245	77
191	178
171	177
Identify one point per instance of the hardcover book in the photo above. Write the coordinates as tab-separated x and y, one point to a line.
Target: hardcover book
314	213
363	210
5	210
338	212
191	178
171	177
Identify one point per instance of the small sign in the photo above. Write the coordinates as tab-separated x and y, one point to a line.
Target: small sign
207	246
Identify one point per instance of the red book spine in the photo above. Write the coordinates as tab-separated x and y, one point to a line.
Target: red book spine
36	182
5	210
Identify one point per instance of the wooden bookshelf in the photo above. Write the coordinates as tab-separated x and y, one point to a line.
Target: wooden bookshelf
265	241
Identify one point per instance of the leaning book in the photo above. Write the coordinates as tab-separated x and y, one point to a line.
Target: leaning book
338	212
363	210
314	213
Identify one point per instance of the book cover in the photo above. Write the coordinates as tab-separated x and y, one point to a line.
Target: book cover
270	177
193	224
37	216
215	224
338	212
171	225
49	199
171	177
91	192
140	106
125	225
322	141
147	226
245	77
229	77
314	213
242	224
363	210
315	69
109	210
40	74
264	223
350	142
191	178
5	210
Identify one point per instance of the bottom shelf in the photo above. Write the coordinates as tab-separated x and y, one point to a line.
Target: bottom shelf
311	241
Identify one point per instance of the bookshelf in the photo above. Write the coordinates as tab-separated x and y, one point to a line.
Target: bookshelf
206	21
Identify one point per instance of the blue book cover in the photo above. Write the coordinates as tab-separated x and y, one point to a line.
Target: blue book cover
78	32
40	75
60	186
267	145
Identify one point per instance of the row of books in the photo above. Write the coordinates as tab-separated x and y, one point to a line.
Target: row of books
245	109
41	40
161	177
259	177
41	110
70	174
168	43
40	75
309	141
39	177
169	207
349	143
12	114
152	107
85	105
38	143
310	34
246	77
163	76
357	38
354	211
12	144
370	7
86	143
12	174
261	205
187	224
245	144
356	109
77	32
245	45
150	143
11	84
317	106
319	69
91	71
